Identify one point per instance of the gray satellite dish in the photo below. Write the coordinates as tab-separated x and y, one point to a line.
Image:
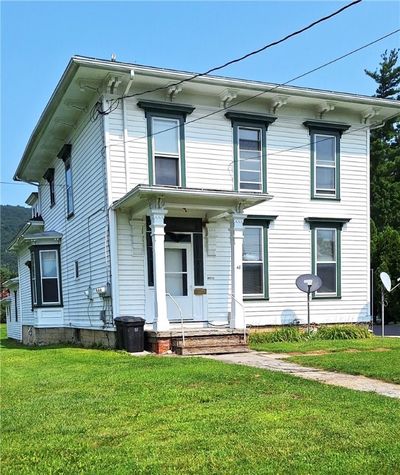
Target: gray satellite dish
386	281
308	283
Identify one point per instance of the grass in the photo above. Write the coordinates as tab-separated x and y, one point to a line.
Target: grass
374	357
71	410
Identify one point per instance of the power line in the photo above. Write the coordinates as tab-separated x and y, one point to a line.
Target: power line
271	89
248	55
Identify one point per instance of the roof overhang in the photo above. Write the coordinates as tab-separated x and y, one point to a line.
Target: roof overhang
86	79
213	203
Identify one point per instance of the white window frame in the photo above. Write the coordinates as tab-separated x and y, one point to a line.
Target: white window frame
260	295
330	294
42	278
317	191
260	131
177	156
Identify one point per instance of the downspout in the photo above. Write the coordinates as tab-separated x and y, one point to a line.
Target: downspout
112	225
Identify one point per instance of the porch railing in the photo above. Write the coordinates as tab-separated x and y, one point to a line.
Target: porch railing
244	317
181	314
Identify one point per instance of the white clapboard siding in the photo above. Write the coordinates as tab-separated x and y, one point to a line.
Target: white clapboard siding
24	274
14	327
85	235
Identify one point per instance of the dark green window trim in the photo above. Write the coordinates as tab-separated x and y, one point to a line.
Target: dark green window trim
328	223
35	256
332	129
264	222
169	111
244	119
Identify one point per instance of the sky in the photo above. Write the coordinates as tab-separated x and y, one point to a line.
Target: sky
39	38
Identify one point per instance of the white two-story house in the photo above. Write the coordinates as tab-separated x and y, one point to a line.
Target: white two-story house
192	203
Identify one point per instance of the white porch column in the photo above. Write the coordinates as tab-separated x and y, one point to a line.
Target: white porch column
237	312
158	234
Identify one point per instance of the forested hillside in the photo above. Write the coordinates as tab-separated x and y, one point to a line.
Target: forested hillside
12	219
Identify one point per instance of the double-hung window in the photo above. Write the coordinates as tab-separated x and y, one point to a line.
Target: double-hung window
249	150
325	158
255	257
166	142
45	276
166	151
65	156
326	254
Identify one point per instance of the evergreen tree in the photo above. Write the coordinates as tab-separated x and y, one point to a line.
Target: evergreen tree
385	183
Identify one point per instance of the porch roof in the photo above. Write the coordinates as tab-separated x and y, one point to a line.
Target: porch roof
140	198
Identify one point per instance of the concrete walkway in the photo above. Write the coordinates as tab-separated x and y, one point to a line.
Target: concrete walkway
275	362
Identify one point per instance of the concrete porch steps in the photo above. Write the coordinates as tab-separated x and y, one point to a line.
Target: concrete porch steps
211	350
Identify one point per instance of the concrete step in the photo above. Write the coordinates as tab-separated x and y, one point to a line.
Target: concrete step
215	340
210	350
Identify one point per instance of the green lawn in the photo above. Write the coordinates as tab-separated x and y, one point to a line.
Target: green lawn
372	343
73	411
375	357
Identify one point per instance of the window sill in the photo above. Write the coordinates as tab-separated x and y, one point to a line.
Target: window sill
325	198
255	299
326	297
55	305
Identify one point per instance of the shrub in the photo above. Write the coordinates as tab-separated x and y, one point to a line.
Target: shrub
342	332
283	334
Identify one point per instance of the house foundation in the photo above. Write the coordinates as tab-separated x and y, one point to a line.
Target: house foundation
88	338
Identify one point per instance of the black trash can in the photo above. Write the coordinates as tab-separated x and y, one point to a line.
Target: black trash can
130	334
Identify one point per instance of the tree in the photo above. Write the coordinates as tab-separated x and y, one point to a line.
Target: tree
385	183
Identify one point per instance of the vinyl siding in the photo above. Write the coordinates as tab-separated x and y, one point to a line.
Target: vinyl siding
209	164
85	235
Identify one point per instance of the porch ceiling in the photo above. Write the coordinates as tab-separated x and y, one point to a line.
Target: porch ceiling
214	203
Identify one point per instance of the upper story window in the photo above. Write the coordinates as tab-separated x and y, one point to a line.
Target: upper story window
166	151
325	158
65	156
250	150
49	176
45	276
166	142
326	254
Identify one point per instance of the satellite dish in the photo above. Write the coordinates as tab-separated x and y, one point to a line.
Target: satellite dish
387	283
308	283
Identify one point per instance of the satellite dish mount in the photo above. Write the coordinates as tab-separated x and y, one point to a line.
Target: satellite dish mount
308	283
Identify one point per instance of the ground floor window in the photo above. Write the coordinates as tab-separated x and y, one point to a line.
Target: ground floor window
326	237
255	257
45	276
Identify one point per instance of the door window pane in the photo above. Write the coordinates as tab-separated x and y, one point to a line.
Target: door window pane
166	136
176	272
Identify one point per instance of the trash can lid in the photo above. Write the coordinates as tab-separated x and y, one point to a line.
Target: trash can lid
128	319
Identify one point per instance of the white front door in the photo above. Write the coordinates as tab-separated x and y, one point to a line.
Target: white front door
179	280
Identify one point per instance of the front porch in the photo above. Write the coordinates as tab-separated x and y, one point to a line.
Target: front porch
200	341
188	244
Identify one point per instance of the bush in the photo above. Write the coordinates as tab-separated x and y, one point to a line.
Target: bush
342	332
283	334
